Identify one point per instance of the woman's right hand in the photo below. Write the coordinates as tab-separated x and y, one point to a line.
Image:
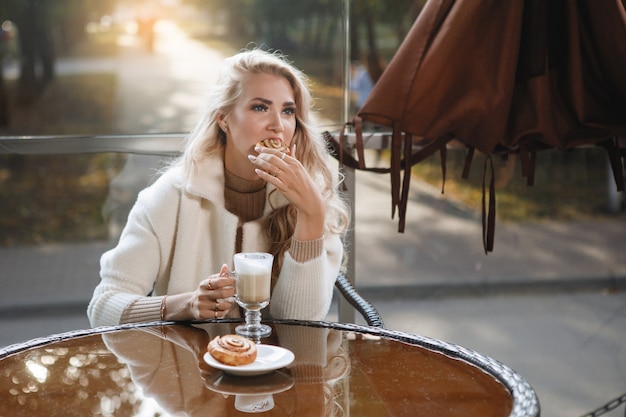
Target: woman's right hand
211	300
292	179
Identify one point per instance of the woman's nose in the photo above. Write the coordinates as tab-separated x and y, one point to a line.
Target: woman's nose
276	122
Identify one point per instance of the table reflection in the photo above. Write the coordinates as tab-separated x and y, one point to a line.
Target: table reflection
167	364
252	395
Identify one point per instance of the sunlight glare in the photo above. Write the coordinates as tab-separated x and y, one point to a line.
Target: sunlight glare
38	371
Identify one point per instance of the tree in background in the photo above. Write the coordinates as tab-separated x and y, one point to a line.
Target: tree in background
45	28
36	46
371	17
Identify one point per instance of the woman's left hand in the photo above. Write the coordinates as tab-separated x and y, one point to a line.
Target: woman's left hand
210	300
290	177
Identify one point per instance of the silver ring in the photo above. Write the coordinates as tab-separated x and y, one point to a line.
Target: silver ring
217	306
282	158
216	314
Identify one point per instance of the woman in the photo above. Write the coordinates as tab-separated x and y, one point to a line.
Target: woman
227	195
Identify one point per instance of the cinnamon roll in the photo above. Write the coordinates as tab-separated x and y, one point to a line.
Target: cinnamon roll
233	350
274	143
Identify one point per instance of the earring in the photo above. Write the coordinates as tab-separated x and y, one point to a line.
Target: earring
225	127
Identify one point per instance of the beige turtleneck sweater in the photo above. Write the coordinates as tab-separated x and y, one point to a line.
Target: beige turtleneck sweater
246	199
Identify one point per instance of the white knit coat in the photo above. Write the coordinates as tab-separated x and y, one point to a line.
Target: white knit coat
177	235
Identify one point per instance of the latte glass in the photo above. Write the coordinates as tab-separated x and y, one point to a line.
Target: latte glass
253	277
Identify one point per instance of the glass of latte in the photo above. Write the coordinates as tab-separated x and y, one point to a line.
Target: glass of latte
253	276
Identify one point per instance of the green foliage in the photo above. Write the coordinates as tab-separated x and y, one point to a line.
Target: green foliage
52	198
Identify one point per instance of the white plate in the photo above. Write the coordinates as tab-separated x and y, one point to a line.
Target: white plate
271	383
269	358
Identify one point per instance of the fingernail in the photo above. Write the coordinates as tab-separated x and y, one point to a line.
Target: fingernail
259	172
252	158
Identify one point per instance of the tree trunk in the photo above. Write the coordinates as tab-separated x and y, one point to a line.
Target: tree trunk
36	48
4	103
374	66
355	47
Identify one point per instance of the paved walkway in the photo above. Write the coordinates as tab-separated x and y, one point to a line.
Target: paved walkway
548	302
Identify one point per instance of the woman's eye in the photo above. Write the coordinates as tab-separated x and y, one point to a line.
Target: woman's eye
290	111
259	107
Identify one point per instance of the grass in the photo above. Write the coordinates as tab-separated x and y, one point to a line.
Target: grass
569	185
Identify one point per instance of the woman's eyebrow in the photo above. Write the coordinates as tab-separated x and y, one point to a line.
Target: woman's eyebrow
261	99
267	101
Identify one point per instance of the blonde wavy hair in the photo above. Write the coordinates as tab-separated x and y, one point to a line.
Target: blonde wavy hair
207	138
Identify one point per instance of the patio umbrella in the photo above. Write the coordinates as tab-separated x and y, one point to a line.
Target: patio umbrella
515	76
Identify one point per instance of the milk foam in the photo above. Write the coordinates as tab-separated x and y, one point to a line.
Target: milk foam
253	279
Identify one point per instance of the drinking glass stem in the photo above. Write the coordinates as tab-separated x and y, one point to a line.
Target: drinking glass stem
253	319
252	328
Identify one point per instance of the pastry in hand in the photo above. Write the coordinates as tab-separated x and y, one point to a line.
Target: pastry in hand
275	143
233	350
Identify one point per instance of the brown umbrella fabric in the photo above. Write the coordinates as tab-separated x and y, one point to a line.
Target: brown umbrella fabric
514	76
